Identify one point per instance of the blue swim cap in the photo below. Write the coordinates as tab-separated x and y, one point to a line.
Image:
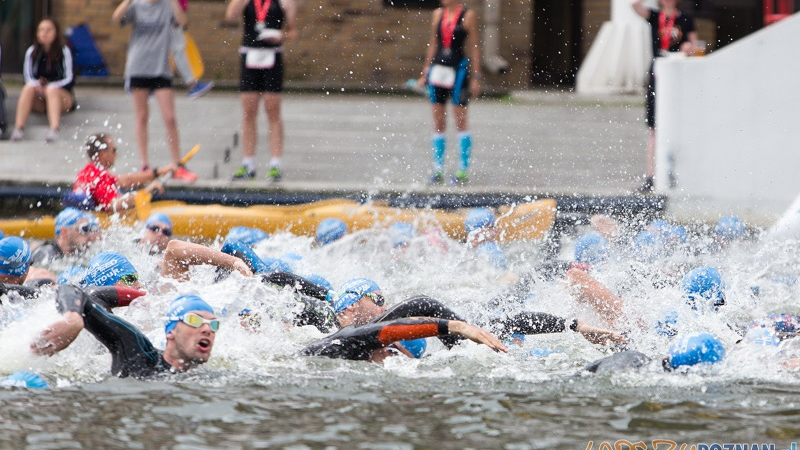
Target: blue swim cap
67	218
730	227
352	291
591	249
494	254
320	281
660	226
401	233
275	265
73	275
678	233
106	269
24	379
478	218
330	230
158	218
248	236
696	348
648	245
182	305
15	256
704	282
416	347
668	325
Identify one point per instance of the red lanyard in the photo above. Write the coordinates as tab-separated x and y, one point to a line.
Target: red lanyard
262	7
448	26
665	27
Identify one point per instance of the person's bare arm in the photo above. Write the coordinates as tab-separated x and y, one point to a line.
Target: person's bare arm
474	49
690	45
431	50
235	9
641	9
597	335
590	291
290	13
119	13
136	179
178	14
58	335
181	255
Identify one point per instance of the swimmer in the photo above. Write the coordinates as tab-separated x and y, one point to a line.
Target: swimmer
75	230
15	260
692	349
157	233
103	188
190	330
329	230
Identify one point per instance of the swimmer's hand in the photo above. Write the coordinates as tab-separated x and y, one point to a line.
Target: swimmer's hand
241	267
476	334
58	335
597	335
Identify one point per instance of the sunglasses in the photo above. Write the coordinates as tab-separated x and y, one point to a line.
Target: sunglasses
375	297
196	321
87	228
157	229
129	279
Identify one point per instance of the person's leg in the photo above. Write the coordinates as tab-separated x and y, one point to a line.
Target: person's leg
3	123
464	139
140	97
166	102
59	101
438	142
272	104
250	103
27	97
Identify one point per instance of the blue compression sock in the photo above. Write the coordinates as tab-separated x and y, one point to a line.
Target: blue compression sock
438	142
465	139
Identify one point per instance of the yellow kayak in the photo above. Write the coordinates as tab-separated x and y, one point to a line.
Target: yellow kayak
525	221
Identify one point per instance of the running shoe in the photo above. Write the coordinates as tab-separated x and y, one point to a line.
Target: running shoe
51	136
243	174
4	136
184	174
17	134
460	178
274	174
200	89
437	178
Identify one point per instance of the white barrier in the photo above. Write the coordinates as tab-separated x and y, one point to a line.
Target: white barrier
728	128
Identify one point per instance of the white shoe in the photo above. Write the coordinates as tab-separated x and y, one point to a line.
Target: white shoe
17	134
51	136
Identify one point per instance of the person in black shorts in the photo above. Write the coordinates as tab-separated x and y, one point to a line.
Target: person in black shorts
268	24
453	53
672	30
190	329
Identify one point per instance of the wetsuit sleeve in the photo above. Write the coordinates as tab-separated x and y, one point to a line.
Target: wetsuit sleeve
358	343
22	291
529	323
297	283
114	296
423	306
132	354
317	313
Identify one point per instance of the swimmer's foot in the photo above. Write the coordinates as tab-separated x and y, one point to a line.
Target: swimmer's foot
244	173
274	174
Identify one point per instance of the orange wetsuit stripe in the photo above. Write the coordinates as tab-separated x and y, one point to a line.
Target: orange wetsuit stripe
403	332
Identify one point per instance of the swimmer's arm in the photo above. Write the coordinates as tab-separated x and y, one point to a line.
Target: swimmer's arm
180	256
422	327
597	335
235	9
297	283
57	336
588	290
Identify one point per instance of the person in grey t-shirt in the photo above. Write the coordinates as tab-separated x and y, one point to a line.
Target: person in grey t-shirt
147	69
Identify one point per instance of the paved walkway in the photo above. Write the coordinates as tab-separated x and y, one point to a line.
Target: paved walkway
534	142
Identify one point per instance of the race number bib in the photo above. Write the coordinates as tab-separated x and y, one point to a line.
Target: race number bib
442	76
260	58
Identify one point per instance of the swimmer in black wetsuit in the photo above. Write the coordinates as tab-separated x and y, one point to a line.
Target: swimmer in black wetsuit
370	342
190	328
75	230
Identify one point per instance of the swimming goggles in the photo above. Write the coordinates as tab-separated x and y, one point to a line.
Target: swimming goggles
87	228
129	279
157	229
376	298
194	320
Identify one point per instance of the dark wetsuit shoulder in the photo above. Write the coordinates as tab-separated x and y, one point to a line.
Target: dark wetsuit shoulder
47	252
626	360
